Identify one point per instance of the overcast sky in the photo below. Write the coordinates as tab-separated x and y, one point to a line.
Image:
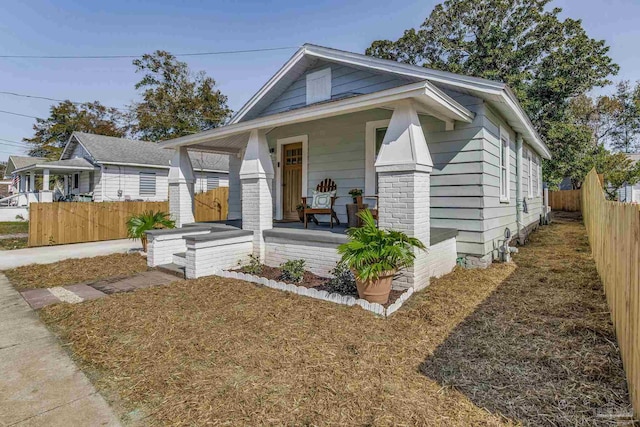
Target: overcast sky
133	27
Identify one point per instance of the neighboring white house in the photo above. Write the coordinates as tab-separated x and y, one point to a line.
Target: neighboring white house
630	193
103	168
441	151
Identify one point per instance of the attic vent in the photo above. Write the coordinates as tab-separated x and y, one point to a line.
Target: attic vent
319	86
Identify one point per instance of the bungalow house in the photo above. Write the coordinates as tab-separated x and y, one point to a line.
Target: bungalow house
450	159
102	168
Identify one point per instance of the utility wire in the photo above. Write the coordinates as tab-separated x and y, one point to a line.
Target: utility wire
225	52
18	114
13	143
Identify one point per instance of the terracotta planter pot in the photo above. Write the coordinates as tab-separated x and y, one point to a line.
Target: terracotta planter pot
376	290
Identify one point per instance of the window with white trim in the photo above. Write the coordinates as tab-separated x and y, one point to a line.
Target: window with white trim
504	165
147	184
529	174
319	86
536	177
540	183
213	182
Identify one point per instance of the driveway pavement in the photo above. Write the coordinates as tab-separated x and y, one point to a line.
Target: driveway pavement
49	254
40	385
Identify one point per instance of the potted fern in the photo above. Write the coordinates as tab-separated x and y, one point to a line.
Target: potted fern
138	225
375	256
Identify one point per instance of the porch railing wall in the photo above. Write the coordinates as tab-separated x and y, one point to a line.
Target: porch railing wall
614	236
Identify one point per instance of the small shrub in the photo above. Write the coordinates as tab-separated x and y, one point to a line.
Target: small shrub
292	270
343	280
254	267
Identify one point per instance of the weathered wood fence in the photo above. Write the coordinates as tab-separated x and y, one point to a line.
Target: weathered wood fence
212	205
65	222
614	235
565	200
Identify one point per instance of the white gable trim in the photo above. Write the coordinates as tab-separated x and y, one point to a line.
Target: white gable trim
74	137
304	139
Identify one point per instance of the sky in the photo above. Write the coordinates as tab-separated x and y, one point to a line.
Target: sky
134	27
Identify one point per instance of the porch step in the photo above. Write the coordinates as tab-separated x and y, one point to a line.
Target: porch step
176	270
180	259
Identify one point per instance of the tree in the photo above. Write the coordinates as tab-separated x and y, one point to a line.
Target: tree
175	101
547	62
626	117
618	169
52	133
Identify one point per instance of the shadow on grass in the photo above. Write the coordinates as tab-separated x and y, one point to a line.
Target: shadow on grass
541	349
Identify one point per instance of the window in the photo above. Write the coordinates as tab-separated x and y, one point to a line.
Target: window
147	184
504	165
540	176
529	175
76	180
536	177
319	86
374	137
214	182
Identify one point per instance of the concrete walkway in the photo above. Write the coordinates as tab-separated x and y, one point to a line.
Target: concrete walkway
51	254
40	385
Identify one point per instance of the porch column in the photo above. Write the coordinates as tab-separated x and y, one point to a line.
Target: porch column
235	190
404	169
256	174
22	184
45	180
66	185
181	183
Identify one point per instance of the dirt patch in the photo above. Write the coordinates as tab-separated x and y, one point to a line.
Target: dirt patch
13	243
72	271
227	352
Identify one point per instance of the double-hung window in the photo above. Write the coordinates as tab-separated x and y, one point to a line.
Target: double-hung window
504	165
147	184
530	174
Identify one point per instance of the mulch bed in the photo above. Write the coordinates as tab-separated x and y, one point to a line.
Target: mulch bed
311	280
523	343
73	271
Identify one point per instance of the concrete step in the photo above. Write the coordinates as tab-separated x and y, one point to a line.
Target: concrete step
175	269
180	258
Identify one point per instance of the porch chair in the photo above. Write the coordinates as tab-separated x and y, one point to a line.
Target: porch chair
322	203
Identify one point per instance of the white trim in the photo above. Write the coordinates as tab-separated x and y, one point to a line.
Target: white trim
529	174
304	139
505	195
369	154
540	177
424	91
324	92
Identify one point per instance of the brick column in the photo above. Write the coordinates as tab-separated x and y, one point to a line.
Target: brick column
404	170
256	174
181	182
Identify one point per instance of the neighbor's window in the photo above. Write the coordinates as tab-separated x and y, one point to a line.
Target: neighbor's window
212	182
147	184
504	165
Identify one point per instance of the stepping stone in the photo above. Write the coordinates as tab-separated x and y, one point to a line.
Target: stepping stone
38	298
85	292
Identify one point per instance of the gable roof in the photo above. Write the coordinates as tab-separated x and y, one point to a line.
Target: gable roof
497	94
122	151
19	162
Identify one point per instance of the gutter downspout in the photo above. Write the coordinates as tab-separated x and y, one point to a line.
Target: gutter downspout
519	184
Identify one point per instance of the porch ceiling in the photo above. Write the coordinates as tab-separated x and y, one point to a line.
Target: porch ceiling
233	138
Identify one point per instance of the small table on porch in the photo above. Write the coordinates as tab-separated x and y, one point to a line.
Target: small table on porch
352	214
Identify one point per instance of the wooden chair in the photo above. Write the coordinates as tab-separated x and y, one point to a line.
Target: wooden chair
325	186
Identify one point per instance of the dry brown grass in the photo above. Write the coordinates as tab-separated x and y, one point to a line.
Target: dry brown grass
227	352
73	271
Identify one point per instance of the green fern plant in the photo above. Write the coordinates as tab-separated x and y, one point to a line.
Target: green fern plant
371	252
138	225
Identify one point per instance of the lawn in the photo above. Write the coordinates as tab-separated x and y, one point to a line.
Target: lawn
13	243
528	342
14	227
72	271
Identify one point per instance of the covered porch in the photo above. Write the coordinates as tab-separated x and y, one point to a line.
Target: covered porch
373	142
34	181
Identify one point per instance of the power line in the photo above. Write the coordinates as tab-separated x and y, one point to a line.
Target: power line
225	52
15	143
19	114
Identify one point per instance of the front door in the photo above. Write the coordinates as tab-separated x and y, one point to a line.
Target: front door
291	180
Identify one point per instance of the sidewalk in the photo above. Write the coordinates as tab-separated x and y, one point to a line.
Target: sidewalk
40	385
50	254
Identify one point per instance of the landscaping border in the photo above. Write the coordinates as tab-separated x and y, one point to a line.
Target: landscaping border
321	295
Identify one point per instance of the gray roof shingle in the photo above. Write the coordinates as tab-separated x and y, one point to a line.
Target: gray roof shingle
109	149
19	162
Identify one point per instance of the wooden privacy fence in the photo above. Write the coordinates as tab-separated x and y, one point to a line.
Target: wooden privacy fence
614	235
65	222
212	205
565	200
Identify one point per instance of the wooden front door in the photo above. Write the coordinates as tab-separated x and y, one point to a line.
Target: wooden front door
291	180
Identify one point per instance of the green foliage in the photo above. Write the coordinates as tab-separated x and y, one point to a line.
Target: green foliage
138	225
254	266
292	270
175	101
618	170
546	61
53	133
355	192
370	251
343	280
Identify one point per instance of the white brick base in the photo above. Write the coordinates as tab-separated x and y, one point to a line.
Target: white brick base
160	248
181	202
257	211
320	258
206	258
441	258
404	206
